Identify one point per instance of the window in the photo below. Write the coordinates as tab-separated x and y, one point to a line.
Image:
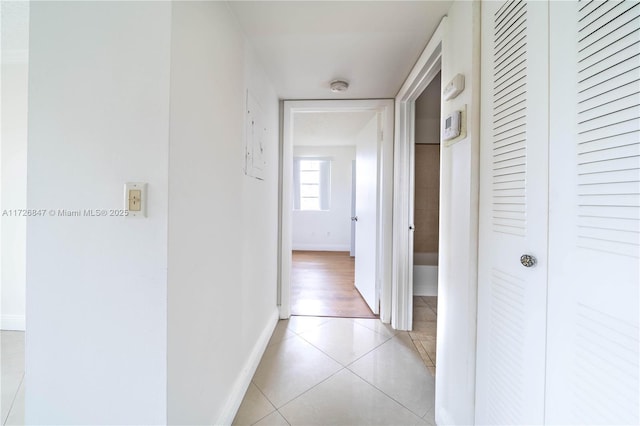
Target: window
311	178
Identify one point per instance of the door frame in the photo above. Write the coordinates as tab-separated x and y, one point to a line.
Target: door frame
427	67
384	107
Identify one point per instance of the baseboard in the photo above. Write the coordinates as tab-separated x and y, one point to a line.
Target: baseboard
244	379
425	289
12	322
321	247
425	281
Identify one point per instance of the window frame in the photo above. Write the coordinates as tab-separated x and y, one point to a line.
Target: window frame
324	183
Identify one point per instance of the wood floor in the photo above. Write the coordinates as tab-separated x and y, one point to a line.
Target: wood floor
322	284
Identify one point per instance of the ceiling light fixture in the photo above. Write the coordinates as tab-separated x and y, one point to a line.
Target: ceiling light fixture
339	86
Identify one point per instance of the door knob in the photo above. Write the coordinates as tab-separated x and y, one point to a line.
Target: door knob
527	260
411	227
354	218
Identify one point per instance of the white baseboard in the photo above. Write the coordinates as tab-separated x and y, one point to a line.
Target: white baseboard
422	289
12	322
244	378
321	247
425	281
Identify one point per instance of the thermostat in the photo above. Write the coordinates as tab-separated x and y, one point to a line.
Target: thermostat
454	88
451	128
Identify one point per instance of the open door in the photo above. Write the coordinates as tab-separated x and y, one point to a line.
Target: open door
366	217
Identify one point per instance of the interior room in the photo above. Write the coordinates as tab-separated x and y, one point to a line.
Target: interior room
323	217
426	223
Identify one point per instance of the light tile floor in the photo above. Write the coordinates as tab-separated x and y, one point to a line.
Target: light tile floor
316	370
12	377
425	312
339	371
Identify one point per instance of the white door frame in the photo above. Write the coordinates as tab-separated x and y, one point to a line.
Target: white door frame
427	67
385	188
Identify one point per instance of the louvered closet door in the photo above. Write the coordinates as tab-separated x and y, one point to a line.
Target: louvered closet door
510	370
593	333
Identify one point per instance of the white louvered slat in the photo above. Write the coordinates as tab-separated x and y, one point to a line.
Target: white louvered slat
593	309
608	123
509	116
513	213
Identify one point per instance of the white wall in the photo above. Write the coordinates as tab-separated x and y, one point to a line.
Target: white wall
96	286
457	284
222	224
13	163
327	230
160	319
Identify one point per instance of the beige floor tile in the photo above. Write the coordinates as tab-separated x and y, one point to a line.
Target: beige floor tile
281	332
9	386
423	330
12	369
428	345
254	407
431	301
429	417
273	419
343	339
290	368
397	370
378	326
346	399
423	313
419	301
16	415
300	324
432	370
423	354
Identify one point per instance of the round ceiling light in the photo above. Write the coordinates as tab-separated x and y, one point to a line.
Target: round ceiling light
339	86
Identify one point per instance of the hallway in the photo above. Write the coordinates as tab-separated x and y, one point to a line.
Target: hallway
339	371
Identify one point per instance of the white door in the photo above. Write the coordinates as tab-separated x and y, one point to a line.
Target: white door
352	247
367	145
593	332
510	369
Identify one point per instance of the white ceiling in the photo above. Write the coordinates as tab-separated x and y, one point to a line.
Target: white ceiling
328	128
304	45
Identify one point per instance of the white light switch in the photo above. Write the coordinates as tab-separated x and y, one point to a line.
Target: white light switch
135	199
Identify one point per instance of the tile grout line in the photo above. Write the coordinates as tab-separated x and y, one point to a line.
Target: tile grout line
298	396
389	396
13	401
268	400
383	392
265	397
343	367
347	365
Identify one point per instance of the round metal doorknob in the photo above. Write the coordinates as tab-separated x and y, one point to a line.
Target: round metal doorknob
354	218
527	260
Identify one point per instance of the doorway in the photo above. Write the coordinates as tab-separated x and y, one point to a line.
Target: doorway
426	200
325	146
317	274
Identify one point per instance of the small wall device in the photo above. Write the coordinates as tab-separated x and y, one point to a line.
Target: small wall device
451	128
454	88
135	199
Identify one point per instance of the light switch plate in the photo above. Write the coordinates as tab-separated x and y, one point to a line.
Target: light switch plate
135	199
